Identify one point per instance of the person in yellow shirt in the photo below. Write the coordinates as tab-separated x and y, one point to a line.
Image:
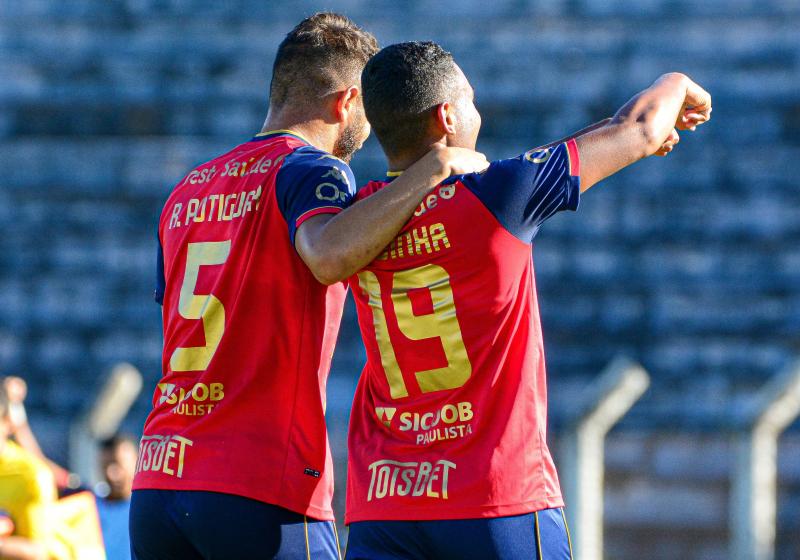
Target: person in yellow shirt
27	500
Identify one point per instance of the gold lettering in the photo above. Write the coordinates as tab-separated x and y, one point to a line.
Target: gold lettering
421	240
184	442
170	453
191	209
213	198
439	234
202	216
176	214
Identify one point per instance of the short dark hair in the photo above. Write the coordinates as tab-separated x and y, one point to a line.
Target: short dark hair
324	52
401	84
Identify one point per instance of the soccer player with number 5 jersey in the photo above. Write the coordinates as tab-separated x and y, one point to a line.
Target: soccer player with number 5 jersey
448	457
253	245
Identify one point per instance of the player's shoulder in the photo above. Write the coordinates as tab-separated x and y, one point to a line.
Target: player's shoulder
506	172
310	157
310	163
370	188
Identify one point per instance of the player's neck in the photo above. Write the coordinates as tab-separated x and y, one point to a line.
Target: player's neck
314	131
404	160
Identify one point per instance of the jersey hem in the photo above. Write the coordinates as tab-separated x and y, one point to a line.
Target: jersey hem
314	512
431	514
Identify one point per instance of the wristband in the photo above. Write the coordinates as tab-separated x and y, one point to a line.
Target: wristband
16	411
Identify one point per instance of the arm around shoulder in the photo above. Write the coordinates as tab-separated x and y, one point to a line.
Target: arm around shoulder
334	247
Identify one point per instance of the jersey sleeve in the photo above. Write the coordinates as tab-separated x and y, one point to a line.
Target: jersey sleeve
524	191
312	182
161	282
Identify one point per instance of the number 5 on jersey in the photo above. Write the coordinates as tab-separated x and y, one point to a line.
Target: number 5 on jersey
201	306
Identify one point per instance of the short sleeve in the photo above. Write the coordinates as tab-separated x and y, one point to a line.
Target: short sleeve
312	182
525	191
161	281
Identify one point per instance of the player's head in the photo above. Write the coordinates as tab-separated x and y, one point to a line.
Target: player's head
118	457
414	95
317	71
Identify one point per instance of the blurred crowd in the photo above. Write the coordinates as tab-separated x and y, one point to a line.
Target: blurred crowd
46	512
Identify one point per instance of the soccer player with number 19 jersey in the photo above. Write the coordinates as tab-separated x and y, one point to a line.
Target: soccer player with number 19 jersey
234	460
447	445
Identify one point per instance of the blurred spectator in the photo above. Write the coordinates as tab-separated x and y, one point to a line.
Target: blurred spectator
27	496
16	390
118	456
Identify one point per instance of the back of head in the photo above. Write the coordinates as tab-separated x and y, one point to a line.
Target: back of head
323	54
402	84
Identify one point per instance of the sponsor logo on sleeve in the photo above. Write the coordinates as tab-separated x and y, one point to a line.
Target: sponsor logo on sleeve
329	192
538	155
338	175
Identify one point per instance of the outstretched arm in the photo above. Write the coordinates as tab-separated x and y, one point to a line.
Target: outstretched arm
577	134
646	125
336	246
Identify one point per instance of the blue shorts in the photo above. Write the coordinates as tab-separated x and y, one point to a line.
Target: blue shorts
541	535
189	525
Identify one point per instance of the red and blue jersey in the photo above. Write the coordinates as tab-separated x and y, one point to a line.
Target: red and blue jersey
450	414
248	331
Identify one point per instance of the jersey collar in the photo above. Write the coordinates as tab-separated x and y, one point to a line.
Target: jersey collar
282	132
392	175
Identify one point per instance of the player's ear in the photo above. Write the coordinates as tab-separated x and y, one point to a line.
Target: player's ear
445	118
346	101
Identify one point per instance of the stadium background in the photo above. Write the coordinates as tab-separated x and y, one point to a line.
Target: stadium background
690	265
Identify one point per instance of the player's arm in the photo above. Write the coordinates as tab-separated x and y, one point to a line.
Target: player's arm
20	548
646	125
336	246
666	147
574	135
17	390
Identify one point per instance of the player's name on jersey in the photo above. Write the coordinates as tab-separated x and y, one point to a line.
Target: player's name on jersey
409	478
164	454
222	207
419	241
232	168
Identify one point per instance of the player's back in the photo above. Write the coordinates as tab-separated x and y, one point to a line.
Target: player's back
449	419
248	331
